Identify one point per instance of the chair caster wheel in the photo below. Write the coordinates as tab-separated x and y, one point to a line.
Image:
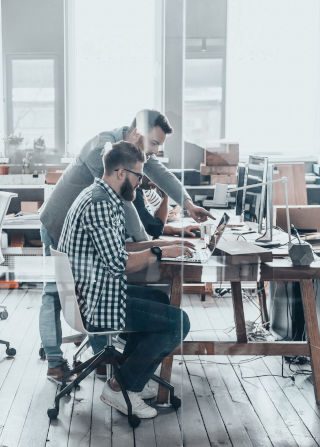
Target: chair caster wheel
134	420
11	352
4	315
76	363
42	354
175	402
52	413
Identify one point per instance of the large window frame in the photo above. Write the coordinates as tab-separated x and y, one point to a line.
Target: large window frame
58	96
210	49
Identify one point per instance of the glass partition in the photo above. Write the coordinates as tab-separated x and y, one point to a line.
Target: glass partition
174	113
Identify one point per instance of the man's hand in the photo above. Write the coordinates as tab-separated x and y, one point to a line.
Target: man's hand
198	213
181	242
189	231
173	251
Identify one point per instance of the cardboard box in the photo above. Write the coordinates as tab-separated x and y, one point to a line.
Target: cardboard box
53	177
30	207
225	179
213	170
226	154
303	217
17	240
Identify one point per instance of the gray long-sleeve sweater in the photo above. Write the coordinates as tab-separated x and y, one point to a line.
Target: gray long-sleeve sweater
81	173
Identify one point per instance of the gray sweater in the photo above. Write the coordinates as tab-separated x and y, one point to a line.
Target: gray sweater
81	173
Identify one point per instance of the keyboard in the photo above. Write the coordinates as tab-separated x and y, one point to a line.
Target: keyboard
198	257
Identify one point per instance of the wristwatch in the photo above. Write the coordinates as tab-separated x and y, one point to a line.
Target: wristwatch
157	251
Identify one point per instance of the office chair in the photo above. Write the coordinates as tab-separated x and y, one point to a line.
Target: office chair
5	198
109	355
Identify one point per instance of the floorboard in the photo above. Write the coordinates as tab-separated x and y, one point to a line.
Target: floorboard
221	406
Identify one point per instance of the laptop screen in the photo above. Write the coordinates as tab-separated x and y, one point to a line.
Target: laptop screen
218	231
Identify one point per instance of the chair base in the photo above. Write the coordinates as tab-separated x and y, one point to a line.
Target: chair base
11	352
111	356
3	313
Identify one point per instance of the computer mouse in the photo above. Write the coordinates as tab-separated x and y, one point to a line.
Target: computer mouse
197	233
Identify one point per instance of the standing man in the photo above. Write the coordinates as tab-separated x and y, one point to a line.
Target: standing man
148	131
93	236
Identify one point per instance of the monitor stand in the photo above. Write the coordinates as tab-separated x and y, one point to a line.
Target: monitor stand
267	244
263	240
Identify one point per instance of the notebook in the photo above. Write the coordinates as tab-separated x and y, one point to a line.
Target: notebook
201	256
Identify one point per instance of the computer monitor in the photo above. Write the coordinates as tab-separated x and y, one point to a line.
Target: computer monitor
257	206
241	172
254	199
267	224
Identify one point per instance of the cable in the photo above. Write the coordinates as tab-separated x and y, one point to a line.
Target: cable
252	359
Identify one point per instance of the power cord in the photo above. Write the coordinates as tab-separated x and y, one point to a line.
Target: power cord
291	377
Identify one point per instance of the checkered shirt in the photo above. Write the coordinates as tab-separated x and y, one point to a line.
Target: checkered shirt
93	236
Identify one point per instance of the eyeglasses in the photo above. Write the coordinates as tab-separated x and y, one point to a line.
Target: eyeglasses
137	174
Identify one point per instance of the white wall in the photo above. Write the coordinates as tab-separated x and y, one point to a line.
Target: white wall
2	108
273	76
113	64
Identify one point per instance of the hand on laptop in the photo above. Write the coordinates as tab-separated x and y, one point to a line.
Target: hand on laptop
188	231
181	242
173	251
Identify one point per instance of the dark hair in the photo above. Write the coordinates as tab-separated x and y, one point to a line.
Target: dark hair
148	119
122	154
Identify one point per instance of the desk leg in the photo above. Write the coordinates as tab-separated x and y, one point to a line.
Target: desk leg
263	304
238	312
311	319
166	366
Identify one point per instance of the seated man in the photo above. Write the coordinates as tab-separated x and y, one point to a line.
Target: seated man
155	224
93	236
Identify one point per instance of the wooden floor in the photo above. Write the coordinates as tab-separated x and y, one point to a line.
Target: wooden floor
222	403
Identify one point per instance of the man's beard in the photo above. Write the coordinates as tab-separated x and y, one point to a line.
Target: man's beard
127	191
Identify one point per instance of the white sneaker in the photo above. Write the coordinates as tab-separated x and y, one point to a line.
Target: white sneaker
149	391
116	400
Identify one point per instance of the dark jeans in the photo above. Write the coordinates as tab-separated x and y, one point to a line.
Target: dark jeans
98	342
158	329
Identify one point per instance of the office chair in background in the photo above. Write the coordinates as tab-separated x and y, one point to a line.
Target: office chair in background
109	355
5	198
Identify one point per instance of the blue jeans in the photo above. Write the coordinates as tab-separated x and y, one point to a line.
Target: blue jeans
98	342
158	329
49	318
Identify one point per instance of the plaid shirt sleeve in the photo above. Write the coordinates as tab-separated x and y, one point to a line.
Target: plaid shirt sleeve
105	231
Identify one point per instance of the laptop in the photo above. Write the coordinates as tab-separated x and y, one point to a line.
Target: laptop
202	255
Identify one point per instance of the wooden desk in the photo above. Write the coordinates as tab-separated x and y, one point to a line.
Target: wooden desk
217	271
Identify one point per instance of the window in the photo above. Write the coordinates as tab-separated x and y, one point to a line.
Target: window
203	96
113	64
204	71
31	102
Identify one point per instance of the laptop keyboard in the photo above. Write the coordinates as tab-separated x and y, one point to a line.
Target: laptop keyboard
200	257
